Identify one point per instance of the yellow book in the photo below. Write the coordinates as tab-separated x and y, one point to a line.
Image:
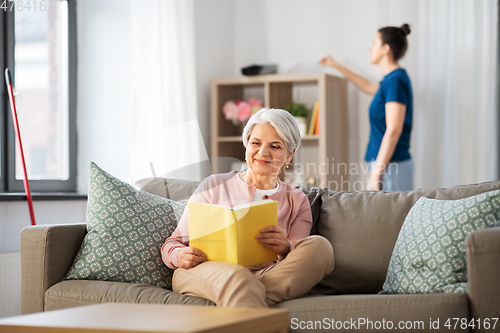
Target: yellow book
228	234
314	116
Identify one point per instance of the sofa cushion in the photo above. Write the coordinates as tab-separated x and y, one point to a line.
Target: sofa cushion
363	228
175	189
369	313
125	231
314	196
81	292
429	255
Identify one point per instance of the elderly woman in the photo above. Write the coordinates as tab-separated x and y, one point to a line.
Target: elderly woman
271	137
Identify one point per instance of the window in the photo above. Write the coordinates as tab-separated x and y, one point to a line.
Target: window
39	47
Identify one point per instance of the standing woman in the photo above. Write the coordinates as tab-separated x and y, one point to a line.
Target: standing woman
390	112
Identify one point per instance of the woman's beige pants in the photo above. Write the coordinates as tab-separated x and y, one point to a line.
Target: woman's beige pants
231	285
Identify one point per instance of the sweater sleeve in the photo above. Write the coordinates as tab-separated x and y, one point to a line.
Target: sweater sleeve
301	224
180	237
176	242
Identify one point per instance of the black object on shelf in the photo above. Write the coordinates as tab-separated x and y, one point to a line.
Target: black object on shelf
259	69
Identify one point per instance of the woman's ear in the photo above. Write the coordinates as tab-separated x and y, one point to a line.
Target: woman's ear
386	49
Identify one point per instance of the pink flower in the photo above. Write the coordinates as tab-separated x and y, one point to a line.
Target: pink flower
240	111
254	102
230	110
244	111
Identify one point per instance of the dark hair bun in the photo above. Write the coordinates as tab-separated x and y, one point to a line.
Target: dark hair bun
406	29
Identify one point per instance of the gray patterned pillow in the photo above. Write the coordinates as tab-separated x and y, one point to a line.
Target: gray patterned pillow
125	230
429	255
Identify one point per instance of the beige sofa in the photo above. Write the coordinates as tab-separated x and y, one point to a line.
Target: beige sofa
362	227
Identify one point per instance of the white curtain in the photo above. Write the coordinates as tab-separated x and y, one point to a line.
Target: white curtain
166	133
452	62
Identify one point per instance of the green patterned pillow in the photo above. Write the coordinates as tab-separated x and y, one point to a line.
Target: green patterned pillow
125	231
429	255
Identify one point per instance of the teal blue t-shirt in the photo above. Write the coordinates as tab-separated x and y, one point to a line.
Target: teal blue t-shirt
395	87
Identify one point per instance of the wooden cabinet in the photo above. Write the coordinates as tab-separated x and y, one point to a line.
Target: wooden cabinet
321	160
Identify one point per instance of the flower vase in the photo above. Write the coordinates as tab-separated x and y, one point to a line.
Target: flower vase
302	123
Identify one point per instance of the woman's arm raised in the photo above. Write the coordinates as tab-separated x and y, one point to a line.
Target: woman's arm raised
363	84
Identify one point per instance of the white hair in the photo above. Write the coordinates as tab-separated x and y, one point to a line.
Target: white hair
282	121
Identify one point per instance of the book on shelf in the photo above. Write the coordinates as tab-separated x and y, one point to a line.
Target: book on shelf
314	119
229	234
316	126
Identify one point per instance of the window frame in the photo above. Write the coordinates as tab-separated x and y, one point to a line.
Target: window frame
8	181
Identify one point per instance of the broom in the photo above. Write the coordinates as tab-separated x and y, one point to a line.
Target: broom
10	90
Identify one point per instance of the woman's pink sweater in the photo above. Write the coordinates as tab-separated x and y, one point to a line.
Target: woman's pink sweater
294	211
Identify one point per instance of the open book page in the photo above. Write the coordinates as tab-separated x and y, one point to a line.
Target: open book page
227	234
212	229
250	221
251	204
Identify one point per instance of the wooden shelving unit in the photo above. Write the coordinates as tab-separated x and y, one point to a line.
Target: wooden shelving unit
323	154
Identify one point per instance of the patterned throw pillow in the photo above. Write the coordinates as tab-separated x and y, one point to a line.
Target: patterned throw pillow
125	231
429	255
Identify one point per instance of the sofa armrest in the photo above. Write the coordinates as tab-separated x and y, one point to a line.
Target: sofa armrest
483	273
47	253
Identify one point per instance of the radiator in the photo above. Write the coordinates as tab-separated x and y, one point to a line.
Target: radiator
10	284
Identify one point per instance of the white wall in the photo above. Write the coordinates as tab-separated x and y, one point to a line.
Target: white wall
214	47
14	217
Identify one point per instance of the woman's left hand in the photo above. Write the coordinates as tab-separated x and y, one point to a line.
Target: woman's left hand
374	182
274	238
